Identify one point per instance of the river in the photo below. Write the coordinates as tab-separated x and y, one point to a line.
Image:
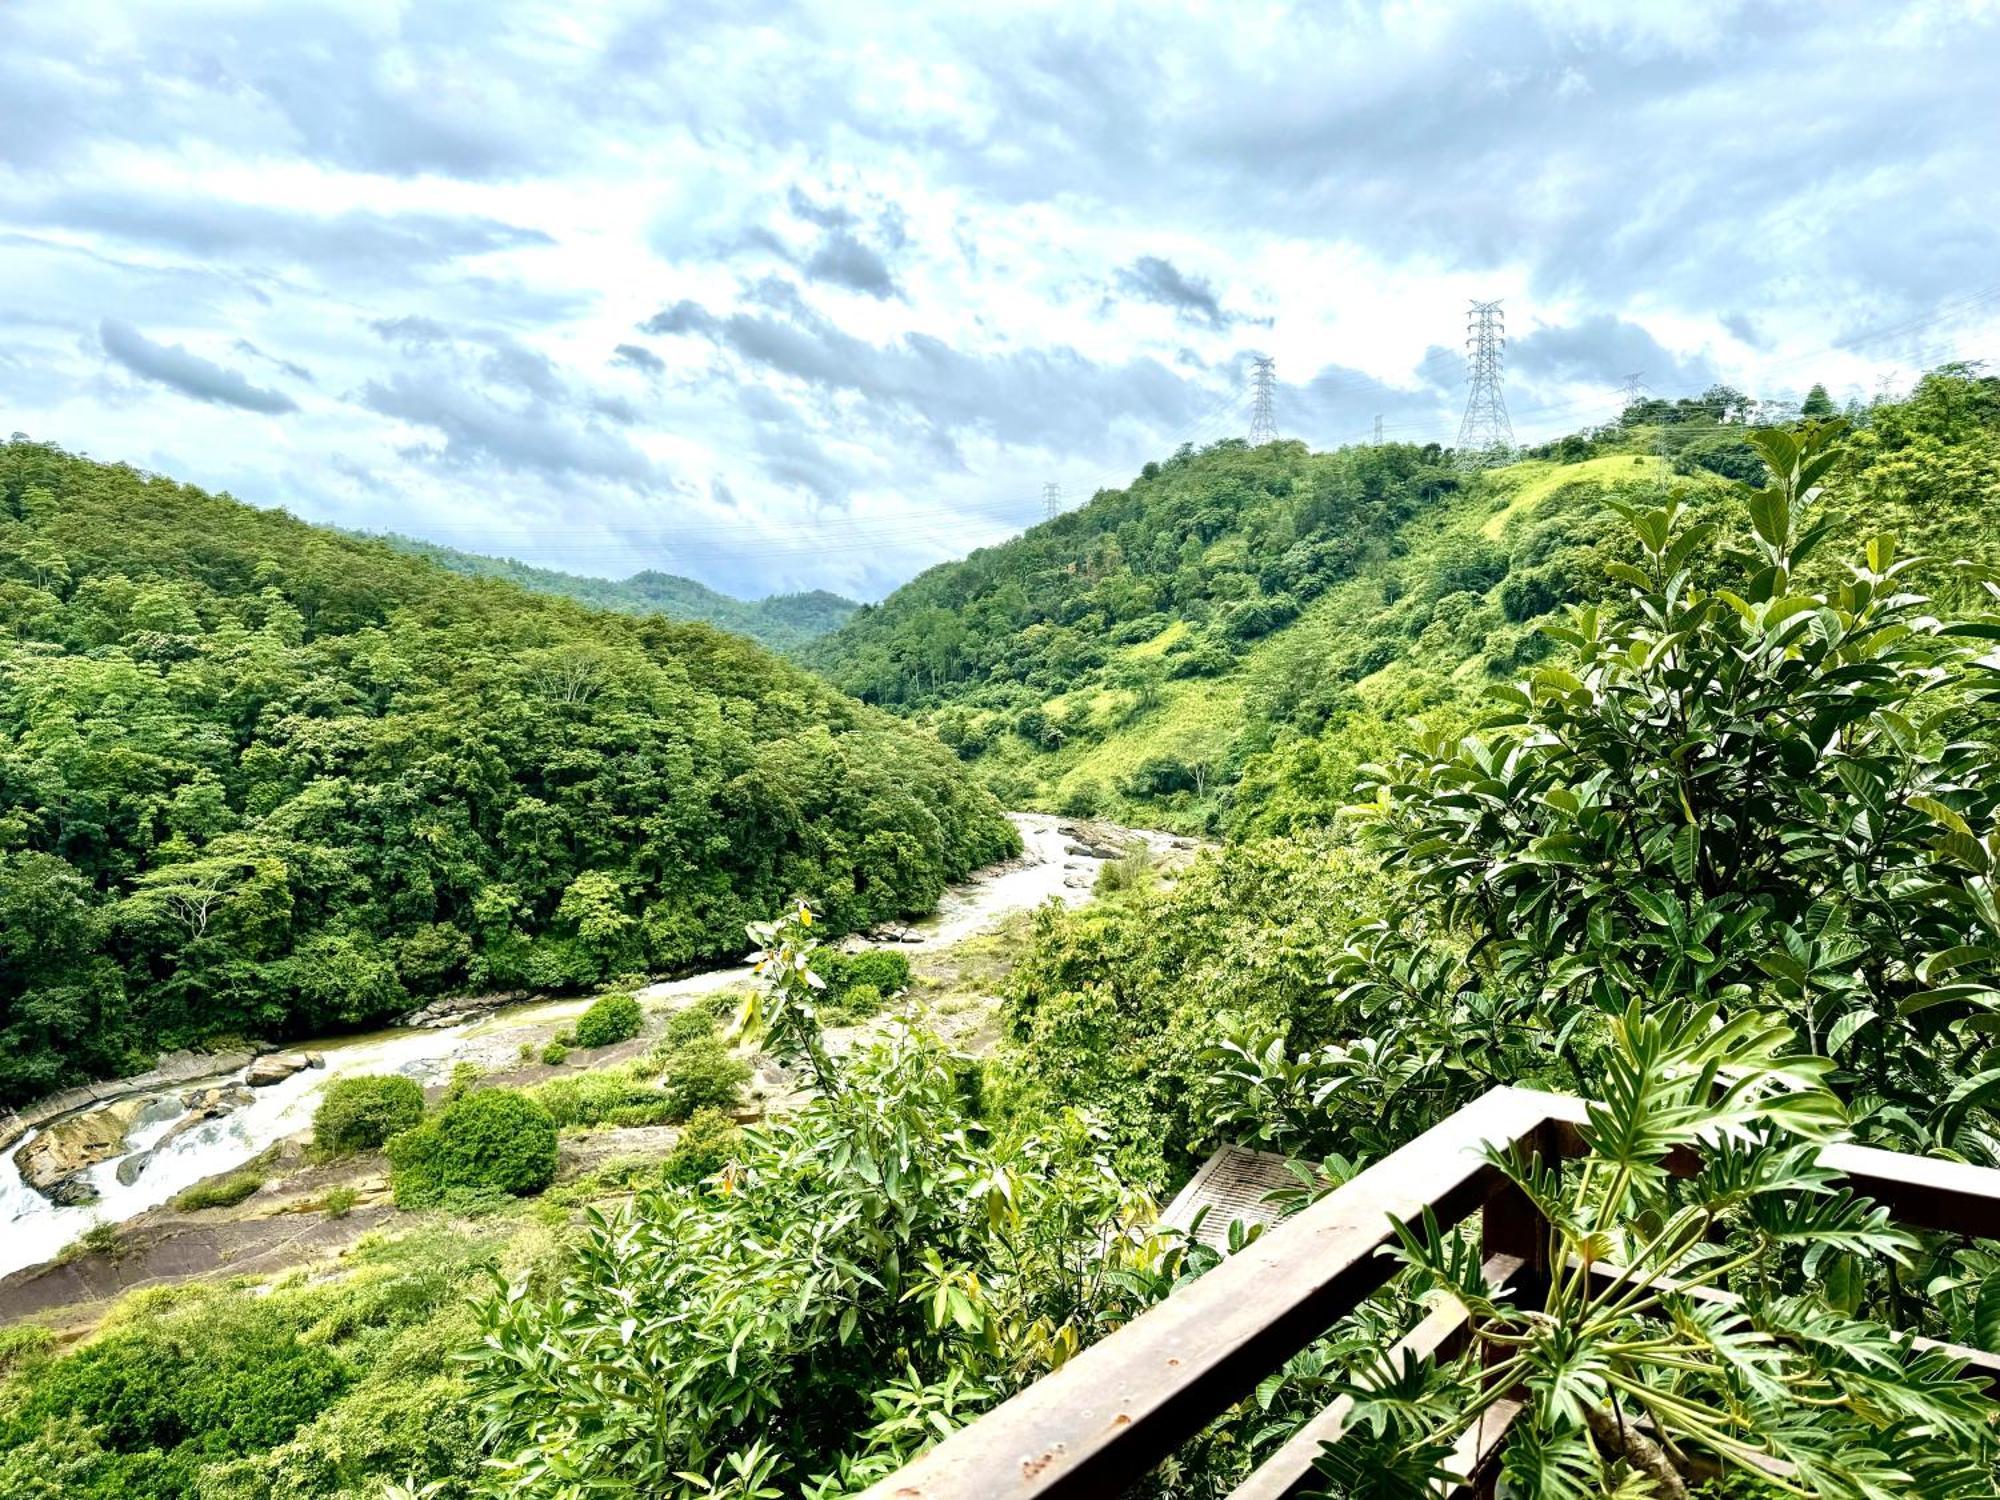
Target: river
32	1229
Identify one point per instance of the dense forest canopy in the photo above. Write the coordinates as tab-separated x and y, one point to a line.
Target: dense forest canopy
262	778
784	622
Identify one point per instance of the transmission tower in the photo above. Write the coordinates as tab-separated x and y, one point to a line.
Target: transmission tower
1378	429
1263	390
1634	390
1485	433
1051	500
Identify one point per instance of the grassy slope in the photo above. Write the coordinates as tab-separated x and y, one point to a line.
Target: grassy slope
1230	721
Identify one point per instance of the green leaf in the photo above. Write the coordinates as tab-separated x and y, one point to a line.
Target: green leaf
1843	1030
1937	812
1771	516
1687	852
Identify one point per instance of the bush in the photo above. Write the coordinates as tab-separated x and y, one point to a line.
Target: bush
601	1098
338	1203
707	1142
687	1025
881	968
1082	799
100	1239
359	1114
491	1141
1159	776
856	1003
225	1192
702	1074
165	1397
553	1052
611	1019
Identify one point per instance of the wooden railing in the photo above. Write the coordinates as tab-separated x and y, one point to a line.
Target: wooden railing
1111	1414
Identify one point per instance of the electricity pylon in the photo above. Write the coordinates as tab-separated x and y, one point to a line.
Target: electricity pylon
1263	393
1486	433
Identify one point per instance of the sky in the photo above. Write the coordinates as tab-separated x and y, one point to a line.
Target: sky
819	295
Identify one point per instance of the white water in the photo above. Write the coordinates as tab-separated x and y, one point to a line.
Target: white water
32	1229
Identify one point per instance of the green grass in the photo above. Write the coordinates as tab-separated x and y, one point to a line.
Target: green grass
224	1192
1527	484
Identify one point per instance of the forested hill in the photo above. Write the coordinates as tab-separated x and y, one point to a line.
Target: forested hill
260	777
784	622
1222	642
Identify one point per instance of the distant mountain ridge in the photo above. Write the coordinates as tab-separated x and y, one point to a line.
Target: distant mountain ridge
784	622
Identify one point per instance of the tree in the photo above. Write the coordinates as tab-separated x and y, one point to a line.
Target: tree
1755	787
1684	1321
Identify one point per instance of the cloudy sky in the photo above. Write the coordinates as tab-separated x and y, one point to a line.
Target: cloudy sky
790	296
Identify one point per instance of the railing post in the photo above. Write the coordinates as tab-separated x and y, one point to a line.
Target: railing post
1511	1225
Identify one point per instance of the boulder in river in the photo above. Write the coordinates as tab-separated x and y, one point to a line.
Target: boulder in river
73	1191
201	1105
274	1067
74	1144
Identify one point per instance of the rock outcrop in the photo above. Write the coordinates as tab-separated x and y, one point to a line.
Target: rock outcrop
449	1010
175	1067
54	1161
275	1067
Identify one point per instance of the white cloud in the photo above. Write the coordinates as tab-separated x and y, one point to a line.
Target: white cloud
933	257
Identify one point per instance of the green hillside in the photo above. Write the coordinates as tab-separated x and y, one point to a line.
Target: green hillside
1223	641
259	777
784	622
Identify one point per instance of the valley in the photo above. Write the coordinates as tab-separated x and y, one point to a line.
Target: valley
1358	784
174	1148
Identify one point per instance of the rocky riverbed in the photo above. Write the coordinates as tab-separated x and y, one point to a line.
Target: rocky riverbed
115	1151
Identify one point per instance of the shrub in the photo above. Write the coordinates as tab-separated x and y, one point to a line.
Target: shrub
168	1395
338	1203
465	1077
883	968
686	1025
359	1114
1082	799
703	1074
601	1098
611	1019
491	1141
856	1003
553	1052
707	1142
100	1239
224	1192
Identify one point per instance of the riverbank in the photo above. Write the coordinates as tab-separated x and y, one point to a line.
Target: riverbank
143	1239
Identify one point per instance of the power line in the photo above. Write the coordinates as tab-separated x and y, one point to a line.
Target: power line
1263	418
1486	432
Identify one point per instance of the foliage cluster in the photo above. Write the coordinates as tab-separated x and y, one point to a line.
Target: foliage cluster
488	1143
223	1192
361	1112
259	777
290	1392
613	1018
861	1276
